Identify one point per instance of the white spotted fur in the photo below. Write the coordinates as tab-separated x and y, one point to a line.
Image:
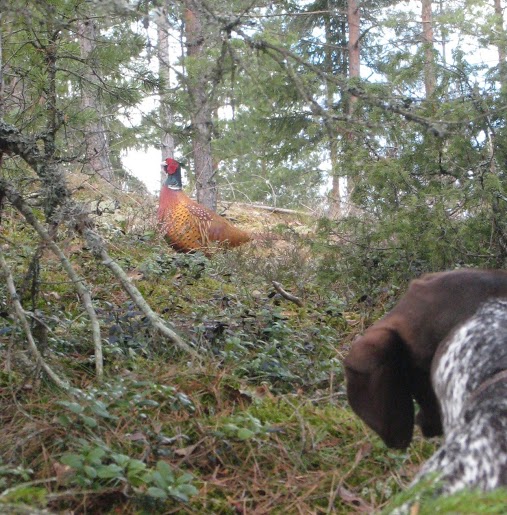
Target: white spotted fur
474	450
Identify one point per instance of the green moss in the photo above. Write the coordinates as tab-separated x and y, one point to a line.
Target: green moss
421	499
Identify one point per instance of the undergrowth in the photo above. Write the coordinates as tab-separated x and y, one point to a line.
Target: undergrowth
259	425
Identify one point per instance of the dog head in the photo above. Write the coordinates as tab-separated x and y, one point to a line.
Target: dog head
389	366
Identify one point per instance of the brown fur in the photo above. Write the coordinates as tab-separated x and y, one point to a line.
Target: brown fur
389	366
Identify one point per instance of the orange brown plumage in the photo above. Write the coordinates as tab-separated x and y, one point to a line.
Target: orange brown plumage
189	226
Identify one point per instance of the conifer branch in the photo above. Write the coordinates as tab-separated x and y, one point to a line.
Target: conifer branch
439	128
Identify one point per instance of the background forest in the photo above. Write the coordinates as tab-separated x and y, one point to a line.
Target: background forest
365	139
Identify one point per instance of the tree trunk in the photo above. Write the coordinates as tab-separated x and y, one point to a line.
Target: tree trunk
165	113
354	21
335	198
1	73
351	67
500	44
354	67
97	147
335	207
429	62
201	116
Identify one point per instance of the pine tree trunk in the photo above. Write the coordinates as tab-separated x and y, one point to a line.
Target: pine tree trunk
354	67
165	113
1	71
97	147
201	115
354	21
500	44
335	195
428	41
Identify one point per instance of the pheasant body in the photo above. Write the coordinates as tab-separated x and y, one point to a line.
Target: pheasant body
188	225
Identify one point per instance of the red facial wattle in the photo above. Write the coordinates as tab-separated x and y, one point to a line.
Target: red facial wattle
172	165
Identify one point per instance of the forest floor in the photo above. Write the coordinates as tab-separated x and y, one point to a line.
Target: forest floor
258	423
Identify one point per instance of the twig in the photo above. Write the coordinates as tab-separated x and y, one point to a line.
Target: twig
22	509
98	249
9	491
287	295
17	201
20	313
271	209
55	496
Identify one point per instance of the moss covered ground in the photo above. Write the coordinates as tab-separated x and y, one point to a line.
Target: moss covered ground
257	424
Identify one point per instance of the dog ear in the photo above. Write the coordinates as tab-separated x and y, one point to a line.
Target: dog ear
378	386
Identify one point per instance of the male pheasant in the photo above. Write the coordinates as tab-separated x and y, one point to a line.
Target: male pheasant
189	226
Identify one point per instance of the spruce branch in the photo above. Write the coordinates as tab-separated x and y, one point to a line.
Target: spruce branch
439	128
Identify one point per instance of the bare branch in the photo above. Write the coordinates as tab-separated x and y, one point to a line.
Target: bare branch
271	209
286	294
17	201
20	313
98	249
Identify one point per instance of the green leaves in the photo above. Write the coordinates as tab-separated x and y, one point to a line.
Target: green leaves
169	485
97	465
242	426
88	412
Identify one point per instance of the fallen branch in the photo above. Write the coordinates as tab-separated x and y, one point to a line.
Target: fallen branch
98	249
20	314
17	201
21	509
9	491
84	294
13	142
287	295
271	209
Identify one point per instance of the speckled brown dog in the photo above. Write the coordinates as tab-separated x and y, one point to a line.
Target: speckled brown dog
469	376
389	366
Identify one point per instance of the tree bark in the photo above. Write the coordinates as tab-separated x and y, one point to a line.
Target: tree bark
1	73
164	72
500	44
354	21
201	116
97	147
428	41
354	71
335	207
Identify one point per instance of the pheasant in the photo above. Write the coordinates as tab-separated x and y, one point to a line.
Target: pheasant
188	225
